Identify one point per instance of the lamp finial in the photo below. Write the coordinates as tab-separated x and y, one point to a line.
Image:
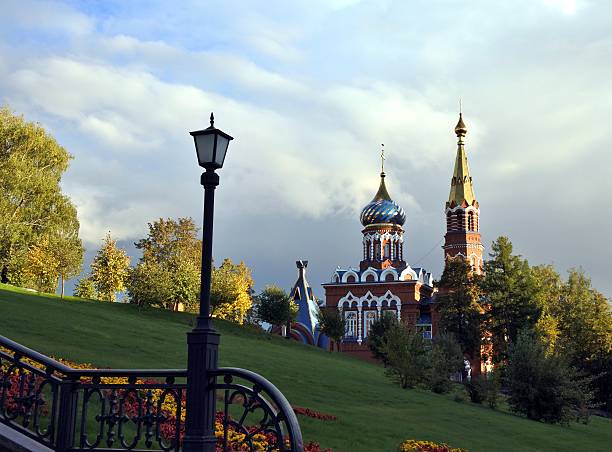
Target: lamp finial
212	119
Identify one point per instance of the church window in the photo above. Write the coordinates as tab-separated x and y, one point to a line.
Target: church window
370	278
350	279
387	250
369	319
389	277
449	219
351	323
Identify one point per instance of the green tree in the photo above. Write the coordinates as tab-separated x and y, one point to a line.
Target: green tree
109	269
377	335
408	356
510	293
148	284
85	288
168	273
585	325
446	359
32	205
549	287
542	385
275	306
230	295
458	303
333	325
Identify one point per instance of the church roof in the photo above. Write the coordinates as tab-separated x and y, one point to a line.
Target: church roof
462	190
382	209
308	309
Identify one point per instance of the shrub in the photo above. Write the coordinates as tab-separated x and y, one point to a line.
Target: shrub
484	388
476	389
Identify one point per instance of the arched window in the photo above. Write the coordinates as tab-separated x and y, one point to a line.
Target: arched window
389	277
449	221
350	279
337	279
387	250
370	278
351	323
368	320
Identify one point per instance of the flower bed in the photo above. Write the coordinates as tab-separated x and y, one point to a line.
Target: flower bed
300	411
414	445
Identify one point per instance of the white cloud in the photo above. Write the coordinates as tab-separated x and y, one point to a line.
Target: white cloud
46	15
310	101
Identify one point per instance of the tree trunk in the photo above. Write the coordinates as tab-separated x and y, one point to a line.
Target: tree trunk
62	286
4	275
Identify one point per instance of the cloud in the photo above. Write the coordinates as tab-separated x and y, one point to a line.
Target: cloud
310	94
47	16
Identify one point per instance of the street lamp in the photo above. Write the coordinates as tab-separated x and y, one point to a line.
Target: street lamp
203	341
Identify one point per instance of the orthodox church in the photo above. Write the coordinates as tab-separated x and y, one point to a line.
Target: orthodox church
384	281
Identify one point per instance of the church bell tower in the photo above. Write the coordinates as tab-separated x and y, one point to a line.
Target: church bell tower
462	237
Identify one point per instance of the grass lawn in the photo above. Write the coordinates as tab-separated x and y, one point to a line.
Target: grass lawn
373	414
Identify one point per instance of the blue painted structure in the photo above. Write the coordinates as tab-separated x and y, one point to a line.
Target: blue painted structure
306	326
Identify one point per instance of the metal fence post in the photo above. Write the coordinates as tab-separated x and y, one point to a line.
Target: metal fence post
66	415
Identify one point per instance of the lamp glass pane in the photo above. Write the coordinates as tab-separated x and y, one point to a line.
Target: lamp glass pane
204	147
222	144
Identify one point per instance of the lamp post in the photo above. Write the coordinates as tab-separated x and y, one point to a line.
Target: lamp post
203	341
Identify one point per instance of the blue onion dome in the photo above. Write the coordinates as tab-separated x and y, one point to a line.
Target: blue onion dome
382	209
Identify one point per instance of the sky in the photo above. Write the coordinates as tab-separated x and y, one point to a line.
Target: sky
310	89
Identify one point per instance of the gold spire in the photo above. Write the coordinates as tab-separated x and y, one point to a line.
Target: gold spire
462	191
382	193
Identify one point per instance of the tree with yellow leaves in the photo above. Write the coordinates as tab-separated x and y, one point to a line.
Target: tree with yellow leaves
109	269
42	266
230	296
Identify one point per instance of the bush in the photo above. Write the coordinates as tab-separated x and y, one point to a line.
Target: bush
543	386
484	388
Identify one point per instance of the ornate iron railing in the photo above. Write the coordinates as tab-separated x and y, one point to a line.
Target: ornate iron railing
69	409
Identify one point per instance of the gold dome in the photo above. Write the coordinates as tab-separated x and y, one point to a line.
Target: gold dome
460	128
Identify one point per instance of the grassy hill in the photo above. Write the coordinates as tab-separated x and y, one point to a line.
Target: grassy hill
373	414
